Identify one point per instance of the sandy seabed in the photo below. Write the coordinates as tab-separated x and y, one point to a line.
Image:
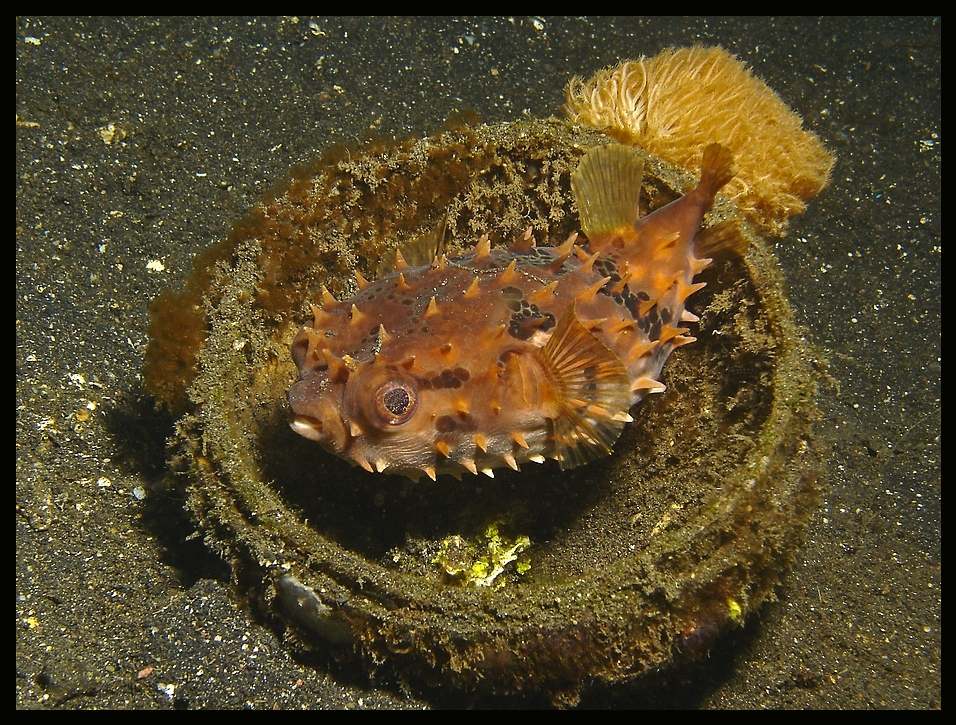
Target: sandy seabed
141	141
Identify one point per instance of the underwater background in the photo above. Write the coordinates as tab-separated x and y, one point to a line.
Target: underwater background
141	141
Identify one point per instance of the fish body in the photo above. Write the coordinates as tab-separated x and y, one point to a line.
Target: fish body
510	354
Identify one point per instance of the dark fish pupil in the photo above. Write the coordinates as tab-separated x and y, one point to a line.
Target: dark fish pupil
396	401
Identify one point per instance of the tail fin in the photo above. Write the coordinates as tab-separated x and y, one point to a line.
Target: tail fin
716	169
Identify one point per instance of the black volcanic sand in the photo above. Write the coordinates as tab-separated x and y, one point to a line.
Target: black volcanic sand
140	142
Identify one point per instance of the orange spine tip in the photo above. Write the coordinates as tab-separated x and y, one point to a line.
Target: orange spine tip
686	290
525	243
462	407
587	260
589	292
488	472
519	439
363	462
400	262
627	276
565	250
688	316
699	265
537	458
358	317
314	344
543	293
669	332
648	384
432	308
430	472
383	336
510	460
360	280
320	318
443	448
469	464
682	340
481	440
473	289
483	247
338	369
327	299
510	273
381	464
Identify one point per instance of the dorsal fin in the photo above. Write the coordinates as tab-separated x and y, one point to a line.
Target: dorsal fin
422	249
607	186
592	388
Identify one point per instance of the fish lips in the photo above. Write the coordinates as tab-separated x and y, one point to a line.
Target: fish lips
316	413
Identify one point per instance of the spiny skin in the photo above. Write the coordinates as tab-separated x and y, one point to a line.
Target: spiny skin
502	355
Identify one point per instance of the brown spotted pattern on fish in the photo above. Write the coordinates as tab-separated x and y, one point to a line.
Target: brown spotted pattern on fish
508	355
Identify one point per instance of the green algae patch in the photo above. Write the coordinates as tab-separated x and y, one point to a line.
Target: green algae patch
481	563
599	574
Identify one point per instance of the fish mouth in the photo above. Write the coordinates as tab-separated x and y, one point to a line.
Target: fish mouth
308	427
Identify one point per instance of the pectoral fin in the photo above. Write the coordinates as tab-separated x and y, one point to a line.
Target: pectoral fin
593	392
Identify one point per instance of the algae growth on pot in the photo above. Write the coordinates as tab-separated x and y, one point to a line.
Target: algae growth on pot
531	581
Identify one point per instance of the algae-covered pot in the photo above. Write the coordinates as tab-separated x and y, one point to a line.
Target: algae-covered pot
535	581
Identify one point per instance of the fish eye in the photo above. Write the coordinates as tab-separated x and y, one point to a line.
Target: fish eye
396	401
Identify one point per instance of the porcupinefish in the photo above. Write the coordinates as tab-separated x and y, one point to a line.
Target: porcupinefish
511	354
